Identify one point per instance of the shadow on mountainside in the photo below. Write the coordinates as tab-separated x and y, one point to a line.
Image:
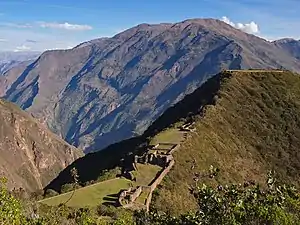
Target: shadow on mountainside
91	166
190	106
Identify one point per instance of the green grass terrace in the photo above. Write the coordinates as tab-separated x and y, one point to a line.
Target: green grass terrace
93	195
105	192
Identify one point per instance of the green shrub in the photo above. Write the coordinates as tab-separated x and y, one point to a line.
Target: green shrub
246	204
69	187
50	193
10	207
109	174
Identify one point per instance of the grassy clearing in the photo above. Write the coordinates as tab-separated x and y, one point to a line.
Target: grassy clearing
93	195
104	192
251	127
145	174
143	197
171	135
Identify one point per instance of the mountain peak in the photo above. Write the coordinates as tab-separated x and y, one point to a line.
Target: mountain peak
115	87
289	45
285	40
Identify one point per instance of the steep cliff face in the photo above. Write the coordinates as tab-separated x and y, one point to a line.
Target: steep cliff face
30	155
8	78
110	89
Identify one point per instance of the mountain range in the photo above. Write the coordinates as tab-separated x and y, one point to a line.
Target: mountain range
111	89
9	60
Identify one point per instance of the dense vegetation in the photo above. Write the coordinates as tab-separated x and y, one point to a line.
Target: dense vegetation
249	126
230	204
14	211
239	205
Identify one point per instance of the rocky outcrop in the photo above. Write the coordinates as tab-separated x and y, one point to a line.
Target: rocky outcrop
30	155
110	89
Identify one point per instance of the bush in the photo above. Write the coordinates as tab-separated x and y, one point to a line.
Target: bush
103	210
109	174
37	195
12	212
10	207
50	193
69	187
246	204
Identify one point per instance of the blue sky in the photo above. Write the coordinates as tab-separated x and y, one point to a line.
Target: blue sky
51	24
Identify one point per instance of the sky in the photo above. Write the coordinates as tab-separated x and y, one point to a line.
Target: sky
38	25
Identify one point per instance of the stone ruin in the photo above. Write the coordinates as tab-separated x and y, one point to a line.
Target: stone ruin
188	127
155	155
154	158
128	196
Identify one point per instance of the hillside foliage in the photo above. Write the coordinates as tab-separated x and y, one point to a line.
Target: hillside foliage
235	204
249	126
238	204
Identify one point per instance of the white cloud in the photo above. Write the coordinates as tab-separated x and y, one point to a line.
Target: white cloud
39	41
65	26
3	40
22	48
17	25
52	25
227	20
251	28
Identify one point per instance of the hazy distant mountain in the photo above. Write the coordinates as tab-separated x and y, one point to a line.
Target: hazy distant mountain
31	156
11	59
290	45
110	89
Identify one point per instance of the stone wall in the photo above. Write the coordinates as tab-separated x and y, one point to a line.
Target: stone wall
157	181
175	148
164	146
128	196
148	201
161	176
135	194
189	127
157	159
